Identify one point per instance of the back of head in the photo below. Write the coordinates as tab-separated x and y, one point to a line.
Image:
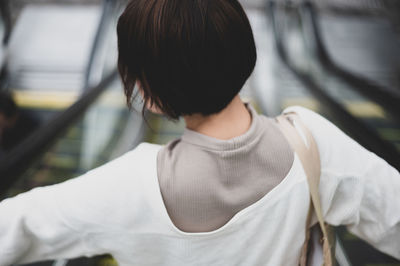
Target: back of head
189	56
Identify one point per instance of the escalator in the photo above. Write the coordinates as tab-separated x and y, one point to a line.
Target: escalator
49	88
95	137
54	52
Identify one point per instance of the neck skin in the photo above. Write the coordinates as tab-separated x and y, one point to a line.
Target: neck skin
234	120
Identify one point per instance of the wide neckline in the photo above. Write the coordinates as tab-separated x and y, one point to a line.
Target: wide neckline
265	201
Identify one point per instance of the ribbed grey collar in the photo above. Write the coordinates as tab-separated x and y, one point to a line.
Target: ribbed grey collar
196	138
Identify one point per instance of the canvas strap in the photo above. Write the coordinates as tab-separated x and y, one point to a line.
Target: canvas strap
307	151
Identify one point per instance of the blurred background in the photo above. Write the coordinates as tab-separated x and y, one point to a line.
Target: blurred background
63	111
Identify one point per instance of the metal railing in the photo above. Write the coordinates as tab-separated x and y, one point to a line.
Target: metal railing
362	133
388	99
92	70
19	159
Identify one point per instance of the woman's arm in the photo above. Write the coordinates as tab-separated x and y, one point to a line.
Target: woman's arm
32	228
70	219
357	188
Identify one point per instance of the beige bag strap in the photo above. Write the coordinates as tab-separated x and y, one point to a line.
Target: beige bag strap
310	160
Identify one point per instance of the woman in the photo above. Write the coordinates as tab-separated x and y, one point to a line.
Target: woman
230	191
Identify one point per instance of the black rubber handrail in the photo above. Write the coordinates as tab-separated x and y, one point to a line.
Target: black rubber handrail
355	127
19	159
389	99
106	15
6	16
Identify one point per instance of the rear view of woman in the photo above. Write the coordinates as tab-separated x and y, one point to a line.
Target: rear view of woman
230	191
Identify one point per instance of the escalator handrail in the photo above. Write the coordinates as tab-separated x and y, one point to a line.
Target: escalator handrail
361	132
108	8
388	99
6	16
20	158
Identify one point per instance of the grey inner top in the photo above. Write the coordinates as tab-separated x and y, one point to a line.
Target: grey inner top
205	181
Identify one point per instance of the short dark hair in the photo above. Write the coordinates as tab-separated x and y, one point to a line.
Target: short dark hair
190	56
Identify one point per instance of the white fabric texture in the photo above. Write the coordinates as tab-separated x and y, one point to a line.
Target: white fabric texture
118	209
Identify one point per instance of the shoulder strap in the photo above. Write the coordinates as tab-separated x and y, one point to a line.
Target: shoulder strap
309	157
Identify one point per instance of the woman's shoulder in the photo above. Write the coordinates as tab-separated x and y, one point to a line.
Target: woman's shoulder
309	116
144	148
122	173
142	154
337	150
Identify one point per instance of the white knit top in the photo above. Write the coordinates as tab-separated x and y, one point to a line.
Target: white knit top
118	209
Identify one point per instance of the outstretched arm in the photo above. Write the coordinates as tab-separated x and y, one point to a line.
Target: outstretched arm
75	218
32	228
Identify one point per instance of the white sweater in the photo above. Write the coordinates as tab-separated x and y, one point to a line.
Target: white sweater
118	209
